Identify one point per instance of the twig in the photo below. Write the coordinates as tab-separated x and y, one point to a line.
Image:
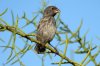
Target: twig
21	33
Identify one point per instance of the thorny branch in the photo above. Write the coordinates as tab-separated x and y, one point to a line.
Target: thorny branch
22	34
63	29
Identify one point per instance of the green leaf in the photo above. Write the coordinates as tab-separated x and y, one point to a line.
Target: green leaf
2	40
12	17
3	21
8	42
4	12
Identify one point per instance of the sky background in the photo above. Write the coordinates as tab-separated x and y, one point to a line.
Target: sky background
72	11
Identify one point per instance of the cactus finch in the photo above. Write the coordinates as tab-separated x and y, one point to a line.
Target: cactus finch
46	28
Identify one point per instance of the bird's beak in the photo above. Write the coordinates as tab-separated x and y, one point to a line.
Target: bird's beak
57	11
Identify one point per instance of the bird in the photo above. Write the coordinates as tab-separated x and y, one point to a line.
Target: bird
46	28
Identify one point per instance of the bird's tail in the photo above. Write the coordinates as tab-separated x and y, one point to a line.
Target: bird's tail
40	49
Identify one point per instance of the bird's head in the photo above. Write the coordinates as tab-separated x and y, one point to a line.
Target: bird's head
51	11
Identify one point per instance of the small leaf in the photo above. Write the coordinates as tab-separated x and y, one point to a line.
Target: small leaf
4	12
2	40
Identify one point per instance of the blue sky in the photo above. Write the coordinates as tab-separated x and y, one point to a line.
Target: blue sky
72	11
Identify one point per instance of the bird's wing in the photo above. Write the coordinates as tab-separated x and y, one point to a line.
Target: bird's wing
42	22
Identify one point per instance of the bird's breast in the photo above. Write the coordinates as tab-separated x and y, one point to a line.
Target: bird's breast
47	29
50	30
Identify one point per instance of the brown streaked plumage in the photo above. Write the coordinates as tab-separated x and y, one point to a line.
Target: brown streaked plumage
46	28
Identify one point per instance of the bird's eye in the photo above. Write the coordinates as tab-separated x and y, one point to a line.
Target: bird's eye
53	8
